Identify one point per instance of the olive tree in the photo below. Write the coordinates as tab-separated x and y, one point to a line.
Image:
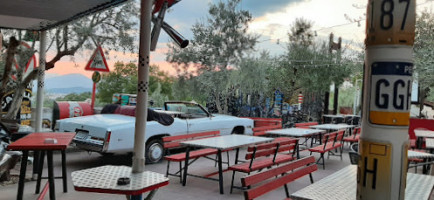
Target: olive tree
112	28
215	50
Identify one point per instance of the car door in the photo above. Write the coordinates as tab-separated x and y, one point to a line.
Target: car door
203	124
198	119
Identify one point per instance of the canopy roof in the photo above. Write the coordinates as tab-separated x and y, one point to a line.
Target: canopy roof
45	14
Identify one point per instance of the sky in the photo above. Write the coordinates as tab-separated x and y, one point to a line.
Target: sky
271	21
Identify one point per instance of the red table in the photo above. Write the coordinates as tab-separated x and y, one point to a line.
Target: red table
37	142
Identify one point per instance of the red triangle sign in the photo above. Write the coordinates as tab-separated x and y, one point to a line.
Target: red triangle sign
97	62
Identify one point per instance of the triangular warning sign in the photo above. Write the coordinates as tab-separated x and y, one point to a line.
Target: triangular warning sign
97	62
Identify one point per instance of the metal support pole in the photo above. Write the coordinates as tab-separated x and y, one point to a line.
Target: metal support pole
41	76
382	166
40	95
142	87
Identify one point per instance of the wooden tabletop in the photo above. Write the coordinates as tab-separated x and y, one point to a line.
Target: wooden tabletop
43	141
424	133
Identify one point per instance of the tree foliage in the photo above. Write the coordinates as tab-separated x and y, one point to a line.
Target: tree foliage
124	80
423	51
111	28
75	97
216	48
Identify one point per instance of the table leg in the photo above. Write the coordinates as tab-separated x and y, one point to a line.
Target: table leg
219	153
36	159
236	155
419	142
187	157
320	139
64	175
297	148
22	175
40	167
136	197
51	174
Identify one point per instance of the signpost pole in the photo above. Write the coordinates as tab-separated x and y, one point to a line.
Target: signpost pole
92	104
382	167
96	77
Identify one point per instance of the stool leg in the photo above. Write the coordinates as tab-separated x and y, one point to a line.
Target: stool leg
40	167
51	174
64	176
22	175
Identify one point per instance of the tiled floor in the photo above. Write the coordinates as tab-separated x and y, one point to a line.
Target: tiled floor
196	188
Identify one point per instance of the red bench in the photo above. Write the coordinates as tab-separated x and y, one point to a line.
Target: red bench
266	155
258	121
305	124
418	124
354	137
266	181
260	131
173	142
331	141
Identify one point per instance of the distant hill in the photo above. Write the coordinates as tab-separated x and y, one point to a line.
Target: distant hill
77	90
67	84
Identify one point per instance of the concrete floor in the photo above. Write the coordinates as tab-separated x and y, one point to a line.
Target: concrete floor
196	188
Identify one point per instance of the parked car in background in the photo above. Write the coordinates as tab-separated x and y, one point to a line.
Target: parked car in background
113	132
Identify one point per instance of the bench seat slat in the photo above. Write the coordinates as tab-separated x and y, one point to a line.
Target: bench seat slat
321	149
352	138
256	178
279	182
265	181
193	154
260	163
190	136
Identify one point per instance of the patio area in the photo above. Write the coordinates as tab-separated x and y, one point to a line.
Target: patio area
196	188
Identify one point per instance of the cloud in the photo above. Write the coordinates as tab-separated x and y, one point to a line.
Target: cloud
259	7
327	16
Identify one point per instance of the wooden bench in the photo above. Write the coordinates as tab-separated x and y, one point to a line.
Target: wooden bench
331	141
266	181
354	137
260	131
305	124
173	142
266	155
259	121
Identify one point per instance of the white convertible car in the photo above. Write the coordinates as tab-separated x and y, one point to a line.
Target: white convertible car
114	133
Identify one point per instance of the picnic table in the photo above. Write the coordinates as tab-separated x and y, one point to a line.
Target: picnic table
220	143
333	118
296	132
420	134
429	144
332	126
342	185
46	143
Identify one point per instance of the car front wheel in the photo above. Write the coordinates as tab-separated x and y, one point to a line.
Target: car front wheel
154	151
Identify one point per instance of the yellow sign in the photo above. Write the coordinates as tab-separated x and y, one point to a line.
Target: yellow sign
374	174
390	93
390	22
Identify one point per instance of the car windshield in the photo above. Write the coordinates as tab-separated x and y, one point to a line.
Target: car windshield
186	108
